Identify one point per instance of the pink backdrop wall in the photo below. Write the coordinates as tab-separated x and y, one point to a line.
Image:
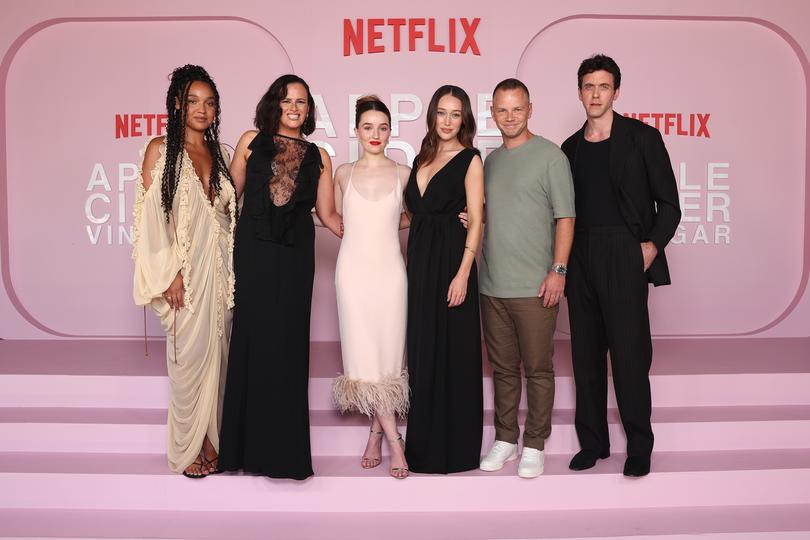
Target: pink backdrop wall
727	84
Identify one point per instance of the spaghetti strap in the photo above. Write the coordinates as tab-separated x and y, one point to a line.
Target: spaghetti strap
399	181
400	190
351	173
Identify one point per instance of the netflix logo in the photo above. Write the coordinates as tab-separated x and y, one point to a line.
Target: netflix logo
392	35
685	125
138	125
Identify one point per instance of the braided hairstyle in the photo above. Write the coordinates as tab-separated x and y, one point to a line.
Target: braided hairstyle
181	80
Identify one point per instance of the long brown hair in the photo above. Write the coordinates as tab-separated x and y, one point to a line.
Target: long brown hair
430	144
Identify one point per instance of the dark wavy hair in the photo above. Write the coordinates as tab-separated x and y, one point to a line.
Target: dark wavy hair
600	62
268	111
181	79
369	103
430	144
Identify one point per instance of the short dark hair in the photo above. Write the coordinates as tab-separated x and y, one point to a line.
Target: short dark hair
511	84
268	111
600	62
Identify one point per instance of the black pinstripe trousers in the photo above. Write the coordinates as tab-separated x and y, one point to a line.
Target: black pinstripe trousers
607	307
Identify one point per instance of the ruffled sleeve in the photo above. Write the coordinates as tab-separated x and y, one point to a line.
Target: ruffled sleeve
154	252
232	211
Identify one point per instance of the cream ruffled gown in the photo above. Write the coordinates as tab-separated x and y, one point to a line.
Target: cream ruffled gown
201	247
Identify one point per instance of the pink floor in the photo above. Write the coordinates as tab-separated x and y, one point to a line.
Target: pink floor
82	437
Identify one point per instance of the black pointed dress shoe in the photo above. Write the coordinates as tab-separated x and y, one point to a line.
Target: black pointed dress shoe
585	459
636	466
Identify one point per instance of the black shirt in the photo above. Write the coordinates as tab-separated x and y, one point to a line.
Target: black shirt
594	197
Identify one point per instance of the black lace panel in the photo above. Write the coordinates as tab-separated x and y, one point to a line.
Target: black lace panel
285	165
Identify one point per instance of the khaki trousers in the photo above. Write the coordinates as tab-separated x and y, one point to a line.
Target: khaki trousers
519	332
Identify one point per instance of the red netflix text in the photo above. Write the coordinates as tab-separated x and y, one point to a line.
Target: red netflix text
687	125
138	125
381	35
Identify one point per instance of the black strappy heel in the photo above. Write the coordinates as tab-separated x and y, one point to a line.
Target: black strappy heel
199	461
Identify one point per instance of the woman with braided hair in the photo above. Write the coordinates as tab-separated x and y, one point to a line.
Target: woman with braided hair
185	215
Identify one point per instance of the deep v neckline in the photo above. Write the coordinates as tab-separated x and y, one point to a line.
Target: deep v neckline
430	181
197	179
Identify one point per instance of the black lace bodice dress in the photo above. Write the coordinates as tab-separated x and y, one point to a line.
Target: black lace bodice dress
265	418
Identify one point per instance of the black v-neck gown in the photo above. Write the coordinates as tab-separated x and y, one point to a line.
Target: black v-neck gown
444	344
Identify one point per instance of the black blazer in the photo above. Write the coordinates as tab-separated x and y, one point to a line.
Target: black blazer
644	185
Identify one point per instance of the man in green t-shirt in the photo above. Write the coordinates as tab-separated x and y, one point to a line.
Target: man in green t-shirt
530	227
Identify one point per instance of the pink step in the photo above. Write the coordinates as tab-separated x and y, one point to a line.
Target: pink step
129	391
36	415
759	522
143	430
422	493
115	374
83	439
349	466
672	357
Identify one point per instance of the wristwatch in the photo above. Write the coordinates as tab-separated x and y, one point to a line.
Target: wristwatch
559	268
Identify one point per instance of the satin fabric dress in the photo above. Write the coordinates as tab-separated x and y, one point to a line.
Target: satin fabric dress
371	286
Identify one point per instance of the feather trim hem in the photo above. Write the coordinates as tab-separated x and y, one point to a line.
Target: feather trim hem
391	395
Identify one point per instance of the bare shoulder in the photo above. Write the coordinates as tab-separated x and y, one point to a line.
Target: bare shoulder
325	159
343	170
476	163
150	157
403	169
324	154
342	174
152	152
247	138
153	148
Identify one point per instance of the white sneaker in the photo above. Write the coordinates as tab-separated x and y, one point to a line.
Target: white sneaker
500	453
531	463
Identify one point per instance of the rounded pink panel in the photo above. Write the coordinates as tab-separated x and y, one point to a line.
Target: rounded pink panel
86	97
732	112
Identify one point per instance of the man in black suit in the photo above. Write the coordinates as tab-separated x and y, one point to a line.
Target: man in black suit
627	211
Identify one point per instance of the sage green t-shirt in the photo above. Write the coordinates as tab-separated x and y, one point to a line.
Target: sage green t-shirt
526	189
